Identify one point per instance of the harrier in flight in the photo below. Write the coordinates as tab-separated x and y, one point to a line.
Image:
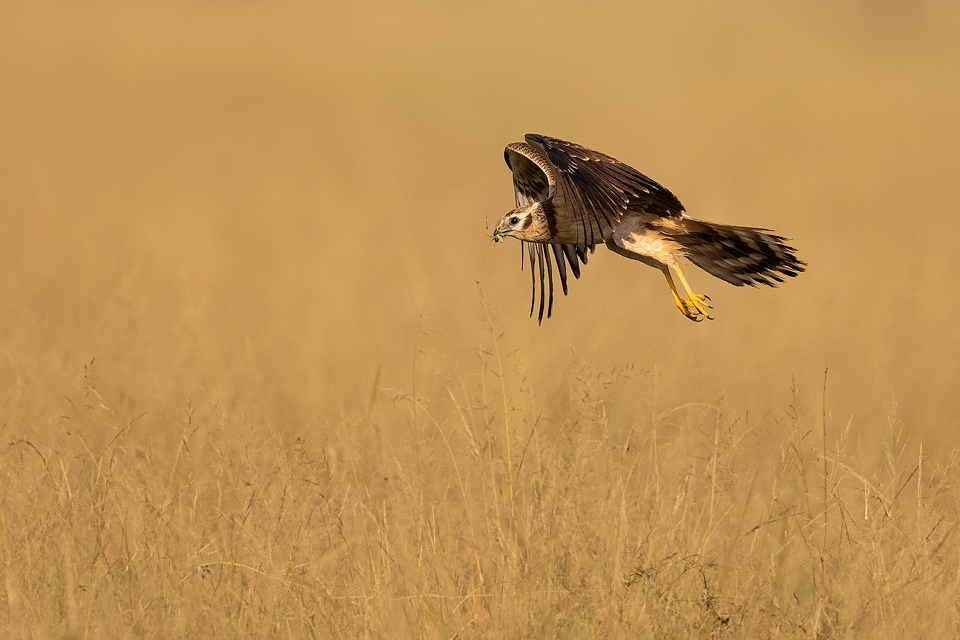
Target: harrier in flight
571	198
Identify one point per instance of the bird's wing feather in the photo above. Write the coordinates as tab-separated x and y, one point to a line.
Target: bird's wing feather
597	189
533	177
534	180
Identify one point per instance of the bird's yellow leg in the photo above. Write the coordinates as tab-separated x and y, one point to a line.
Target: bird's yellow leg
697	300
682	304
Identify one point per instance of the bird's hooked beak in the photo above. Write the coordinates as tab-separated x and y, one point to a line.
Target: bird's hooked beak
498	234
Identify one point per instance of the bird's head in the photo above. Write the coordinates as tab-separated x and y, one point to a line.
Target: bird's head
519	223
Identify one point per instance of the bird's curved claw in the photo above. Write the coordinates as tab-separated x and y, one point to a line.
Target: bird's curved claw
695	308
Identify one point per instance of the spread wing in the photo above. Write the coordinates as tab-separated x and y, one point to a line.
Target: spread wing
584	193
534	180
597	189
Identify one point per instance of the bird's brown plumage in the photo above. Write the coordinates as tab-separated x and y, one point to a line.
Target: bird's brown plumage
571	198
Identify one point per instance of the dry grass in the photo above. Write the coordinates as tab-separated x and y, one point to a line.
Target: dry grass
263	374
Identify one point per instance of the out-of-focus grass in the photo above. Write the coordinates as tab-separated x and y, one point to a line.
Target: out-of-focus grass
262	371
479	511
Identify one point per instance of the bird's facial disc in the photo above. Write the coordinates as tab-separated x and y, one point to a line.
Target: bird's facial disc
508	225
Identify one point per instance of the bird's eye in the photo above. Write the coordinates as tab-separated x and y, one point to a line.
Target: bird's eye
514	220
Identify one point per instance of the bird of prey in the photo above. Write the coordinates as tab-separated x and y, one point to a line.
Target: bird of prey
571	198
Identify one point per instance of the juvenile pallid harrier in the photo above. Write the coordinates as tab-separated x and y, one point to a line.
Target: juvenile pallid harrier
571	198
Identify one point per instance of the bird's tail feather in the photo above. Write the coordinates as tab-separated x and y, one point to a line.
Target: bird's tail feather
739	255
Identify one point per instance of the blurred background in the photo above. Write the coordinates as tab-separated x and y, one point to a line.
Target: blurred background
285	208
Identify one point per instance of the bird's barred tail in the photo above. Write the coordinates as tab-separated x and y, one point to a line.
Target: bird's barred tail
739	255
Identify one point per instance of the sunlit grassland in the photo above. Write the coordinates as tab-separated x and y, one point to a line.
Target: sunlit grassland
263	373
476	511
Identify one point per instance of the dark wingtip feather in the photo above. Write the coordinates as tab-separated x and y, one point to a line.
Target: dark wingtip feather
533	278
565	254
570	251
546	258
540	262
558	253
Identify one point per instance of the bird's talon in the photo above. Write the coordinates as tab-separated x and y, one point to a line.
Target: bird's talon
692	311
697	302
698	299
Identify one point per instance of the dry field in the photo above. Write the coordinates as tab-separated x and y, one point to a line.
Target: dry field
263	373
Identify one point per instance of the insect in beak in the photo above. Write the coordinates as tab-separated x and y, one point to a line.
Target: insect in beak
497	234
